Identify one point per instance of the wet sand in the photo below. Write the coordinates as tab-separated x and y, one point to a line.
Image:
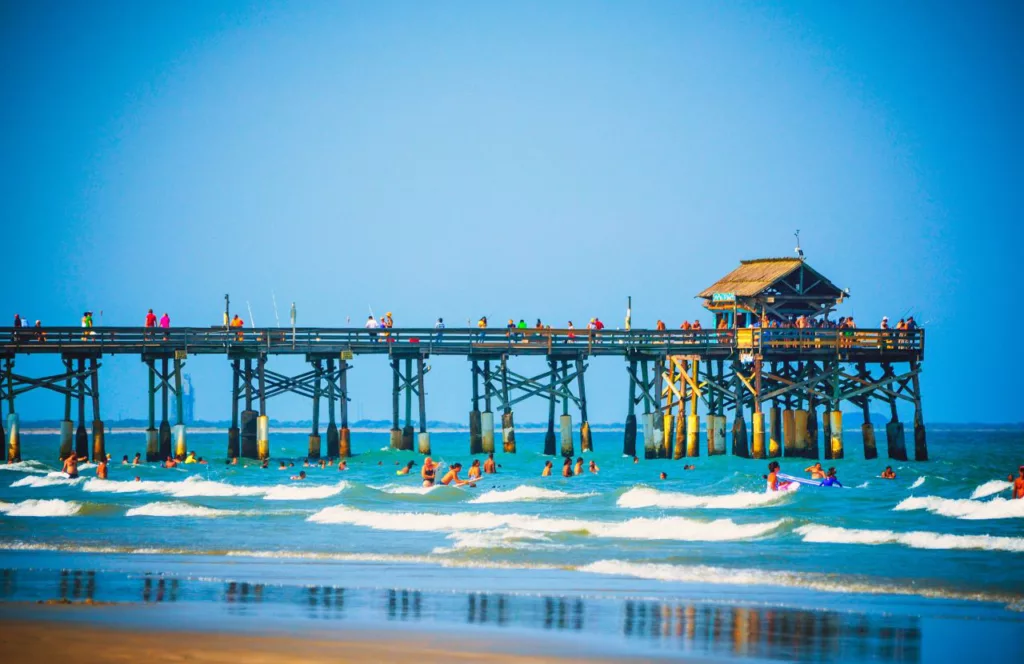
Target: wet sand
47	641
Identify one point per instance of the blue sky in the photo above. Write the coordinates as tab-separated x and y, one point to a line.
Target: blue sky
510	159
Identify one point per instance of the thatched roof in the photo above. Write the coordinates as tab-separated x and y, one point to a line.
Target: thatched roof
753	276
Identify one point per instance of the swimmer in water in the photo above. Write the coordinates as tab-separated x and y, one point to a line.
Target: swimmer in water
282	466
428	472
816	471
831	479
474	470
452	476
547	470
1018	485
593	467
662	476
888	473
342	465
405	471
170	463
300	476
773	477
71	466
124	460
101	468
578	470
234	461
636	459
137	460
689	467
567	467
489	466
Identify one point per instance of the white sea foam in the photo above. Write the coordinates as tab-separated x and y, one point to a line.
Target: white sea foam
665	528
914	539
918	482
307	492
175	508
191	487
646	497
25	467
497	538
34	507
50	479
972	510
745	577
990	488
527	493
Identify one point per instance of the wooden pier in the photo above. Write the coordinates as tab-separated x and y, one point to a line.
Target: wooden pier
776	376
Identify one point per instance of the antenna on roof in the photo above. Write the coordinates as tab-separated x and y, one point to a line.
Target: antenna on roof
799	251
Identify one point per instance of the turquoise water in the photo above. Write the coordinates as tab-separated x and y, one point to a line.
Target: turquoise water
942	539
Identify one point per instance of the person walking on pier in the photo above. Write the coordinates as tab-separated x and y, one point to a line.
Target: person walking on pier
150	319
387	323
439	330
165	324
238	323
482	325
372	325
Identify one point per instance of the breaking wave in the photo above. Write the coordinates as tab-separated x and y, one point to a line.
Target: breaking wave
913	539
175	508
990	488
311	492
25	467
646	497
665	528
527	493
997	508
50	479
918	482
53	507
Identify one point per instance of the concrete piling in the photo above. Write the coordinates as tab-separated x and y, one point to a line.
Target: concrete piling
801	446
867	432
180	442
13	438
629	437
314	446
248	426
788	433
668	430
487	432
263	437
565	434
407	436
836	438
679	446
81	441
920	439
693	435
3	440
895	440
166	440
739	436
774	432
812	433
508	432
99	447
826	432
757	450
395	438
586	441
720	424
332	441
423	442
67	439
476	442
344	443
234	443
652	441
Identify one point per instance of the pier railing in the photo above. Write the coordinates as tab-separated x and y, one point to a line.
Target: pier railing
856	344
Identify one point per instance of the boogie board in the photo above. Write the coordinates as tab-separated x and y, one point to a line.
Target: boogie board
802	480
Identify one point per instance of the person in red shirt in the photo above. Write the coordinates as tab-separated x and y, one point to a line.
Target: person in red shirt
150	319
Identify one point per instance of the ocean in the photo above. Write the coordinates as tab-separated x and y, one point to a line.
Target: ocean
703	563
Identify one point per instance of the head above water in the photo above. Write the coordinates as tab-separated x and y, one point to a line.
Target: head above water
773	466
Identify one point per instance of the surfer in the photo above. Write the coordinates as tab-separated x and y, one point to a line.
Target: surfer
428	472
547	469
71	466
816	472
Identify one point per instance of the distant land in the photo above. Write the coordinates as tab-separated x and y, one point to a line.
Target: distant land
851	422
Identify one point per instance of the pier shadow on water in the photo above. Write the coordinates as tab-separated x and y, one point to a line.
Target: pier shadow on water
669	627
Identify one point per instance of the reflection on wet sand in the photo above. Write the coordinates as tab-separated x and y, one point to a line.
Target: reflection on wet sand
775	632
692	628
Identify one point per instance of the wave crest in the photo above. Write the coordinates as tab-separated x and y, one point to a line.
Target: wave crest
175	508
914	539
33	507
990	488
638	497
971	510
525	493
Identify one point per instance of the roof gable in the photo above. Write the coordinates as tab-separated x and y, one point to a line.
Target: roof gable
754	277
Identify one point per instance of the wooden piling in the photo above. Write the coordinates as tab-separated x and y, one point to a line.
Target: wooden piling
920	438
332	425
586	441
508	426
81	436
629	433
344	439
234	443
774	432
423	437
262	422
800	444
549	437
789	446
867	430
836	433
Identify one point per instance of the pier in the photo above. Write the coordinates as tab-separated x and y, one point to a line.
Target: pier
774	377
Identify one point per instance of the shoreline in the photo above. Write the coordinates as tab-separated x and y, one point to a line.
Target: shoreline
33	640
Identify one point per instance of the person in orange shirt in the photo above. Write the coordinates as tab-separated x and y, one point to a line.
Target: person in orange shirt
237	322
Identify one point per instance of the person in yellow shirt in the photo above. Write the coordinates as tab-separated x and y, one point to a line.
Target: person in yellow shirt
191	458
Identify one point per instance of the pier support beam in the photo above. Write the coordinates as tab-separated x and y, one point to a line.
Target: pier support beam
13	438
314	434
67	427
801	446
740	446
423	438
629	435
920	439
344	437
487	417
180	443
565	421
679	443
586	442
332	425
836	433
789	446
81	435
774	432
811	449
826	431
894	436
757	449
262	422
549	436
867	429
476	443
395	433
234	443
248	417
508	427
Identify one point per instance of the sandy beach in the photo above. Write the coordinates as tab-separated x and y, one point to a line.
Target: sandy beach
39	641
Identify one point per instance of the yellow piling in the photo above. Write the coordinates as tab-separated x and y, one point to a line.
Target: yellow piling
757	444
263	437
836	420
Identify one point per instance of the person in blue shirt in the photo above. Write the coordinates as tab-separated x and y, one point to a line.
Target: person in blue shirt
831	479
